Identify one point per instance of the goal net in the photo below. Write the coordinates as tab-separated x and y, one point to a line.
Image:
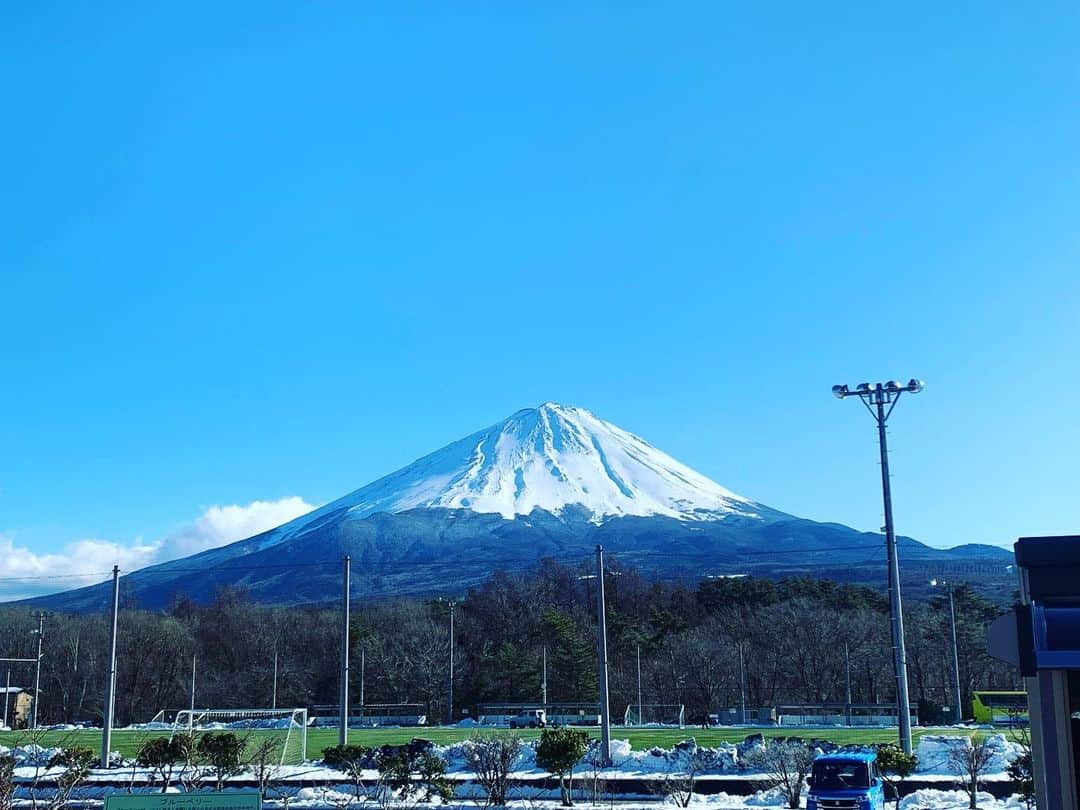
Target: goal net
286	728
655	714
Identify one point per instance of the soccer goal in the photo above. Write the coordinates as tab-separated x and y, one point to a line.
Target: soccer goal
286	726
655	714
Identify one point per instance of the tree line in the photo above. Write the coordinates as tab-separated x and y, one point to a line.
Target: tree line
801	641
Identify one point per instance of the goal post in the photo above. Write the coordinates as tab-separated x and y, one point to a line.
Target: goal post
289	726
655	714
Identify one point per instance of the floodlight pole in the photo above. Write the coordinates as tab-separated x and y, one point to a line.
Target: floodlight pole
742	685
879	395
343	718
639	714
273	698
955	655
37	669
847	679
543	682
450	685
602	669
7	693
110	683
194	656
958	712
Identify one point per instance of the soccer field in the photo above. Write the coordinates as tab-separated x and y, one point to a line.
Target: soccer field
128	742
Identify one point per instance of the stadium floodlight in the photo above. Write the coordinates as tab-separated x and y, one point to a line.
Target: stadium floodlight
875	397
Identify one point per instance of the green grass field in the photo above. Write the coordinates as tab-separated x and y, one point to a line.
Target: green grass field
128	742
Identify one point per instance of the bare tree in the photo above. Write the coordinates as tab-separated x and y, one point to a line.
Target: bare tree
969	762
786	764
491	759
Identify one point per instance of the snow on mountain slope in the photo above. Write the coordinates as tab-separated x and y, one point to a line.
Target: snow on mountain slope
549	458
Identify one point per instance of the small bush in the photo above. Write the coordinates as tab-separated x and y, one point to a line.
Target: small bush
895	767
162	755
491	758
344	757
7	781
560	749
223	752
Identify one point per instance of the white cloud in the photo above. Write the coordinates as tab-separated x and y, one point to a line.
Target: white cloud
24	573
221	525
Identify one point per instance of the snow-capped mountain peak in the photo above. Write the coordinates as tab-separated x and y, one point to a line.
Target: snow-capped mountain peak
549	458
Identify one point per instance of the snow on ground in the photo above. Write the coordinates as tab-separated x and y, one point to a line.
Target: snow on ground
934	750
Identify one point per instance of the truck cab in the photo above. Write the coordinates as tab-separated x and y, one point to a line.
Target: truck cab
846	781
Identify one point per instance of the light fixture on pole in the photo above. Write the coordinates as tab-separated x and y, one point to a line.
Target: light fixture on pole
875	397
948	586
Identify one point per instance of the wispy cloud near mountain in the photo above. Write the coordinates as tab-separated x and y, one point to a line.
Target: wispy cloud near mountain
24	572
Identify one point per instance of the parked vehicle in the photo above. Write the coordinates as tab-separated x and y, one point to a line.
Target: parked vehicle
846	781
529	718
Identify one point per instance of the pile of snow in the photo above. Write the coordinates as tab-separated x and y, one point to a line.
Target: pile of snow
678	759
154	726
957	800
466	722
30	755
456	755
934	751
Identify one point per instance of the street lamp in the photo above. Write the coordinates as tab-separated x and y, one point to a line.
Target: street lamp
875	397
955	655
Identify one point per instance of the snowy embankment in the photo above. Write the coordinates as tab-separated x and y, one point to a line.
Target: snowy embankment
726	777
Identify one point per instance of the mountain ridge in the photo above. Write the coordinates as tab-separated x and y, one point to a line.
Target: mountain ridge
551	481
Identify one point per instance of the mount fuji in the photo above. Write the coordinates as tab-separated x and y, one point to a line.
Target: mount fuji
552	481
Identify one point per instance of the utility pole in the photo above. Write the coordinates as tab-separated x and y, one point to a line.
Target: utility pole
955	655
639	715
450	686
879	396
602	668
847	678
37	669
110	683
273	698
343	719
957	713
543	681
742	686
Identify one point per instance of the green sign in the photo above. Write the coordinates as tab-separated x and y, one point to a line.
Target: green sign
240	800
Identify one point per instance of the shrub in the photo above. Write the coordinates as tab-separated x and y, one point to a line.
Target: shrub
7	781
162	755
223	752
491	759
560	749
895	767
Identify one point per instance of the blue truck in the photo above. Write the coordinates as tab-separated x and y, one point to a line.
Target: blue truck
847	780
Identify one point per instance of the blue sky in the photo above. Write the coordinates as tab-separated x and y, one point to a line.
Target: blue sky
265	251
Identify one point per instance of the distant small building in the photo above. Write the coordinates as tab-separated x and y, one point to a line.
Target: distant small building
19	702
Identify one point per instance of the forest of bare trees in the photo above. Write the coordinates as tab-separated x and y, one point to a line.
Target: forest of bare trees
798	637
